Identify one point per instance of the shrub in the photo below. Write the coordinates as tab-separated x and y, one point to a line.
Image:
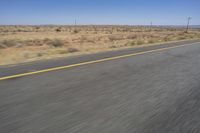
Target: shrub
113	46
46	41
152	41
167	38
62	51
58	29
57	43
114	38
140	42
39	54
9	43
19	45
182	37
29	55
2	46
133	43
83	38
37	28
131	37
191	36
75	31
72	50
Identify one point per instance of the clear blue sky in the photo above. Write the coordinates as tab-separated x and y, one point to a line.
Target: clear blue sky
160	12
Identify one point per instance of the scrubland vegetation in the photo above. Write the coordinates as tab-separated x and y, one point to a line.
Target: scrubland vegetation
26	43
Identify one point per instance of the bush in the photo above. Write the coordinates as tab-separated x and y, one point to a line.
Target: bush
131	37
2	46
40	54
37	28
58	29
29	55
72	50
75	31
62	51
182	37
113	46
140	42
57	43
115	38
152	41
47	41
167	38
9	43
133	43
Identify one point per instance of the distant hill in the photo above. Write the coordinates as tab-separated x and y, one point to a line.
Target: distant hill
195	26
179	26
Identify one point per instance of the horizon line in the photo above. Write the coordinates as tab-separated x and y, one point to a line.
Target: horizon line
97	25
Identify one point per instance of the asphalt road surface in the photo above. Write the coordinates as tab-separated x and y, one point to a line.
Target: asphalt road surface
156	92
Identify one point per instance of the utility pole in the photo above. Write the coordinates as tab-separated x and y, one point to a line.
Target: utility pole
75	27
151	26
188	23
75	22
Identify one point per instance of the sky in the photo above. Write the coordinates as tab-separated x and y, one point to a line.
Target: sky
122	12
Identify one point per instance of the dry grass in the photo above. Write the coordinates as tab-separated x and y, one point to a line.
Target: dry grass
24	43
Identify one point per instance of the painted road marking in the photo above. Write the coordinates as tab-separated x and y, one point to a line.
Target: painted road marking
91	62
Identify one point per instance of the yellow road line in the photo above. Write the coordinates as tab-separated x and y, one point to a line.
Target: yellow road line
90	62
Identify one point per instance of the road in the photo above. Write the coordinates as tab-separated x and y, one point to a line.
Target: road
153	92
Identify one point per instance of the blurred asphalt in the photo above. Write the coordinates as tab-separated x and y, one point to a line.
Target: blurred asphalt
157	92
